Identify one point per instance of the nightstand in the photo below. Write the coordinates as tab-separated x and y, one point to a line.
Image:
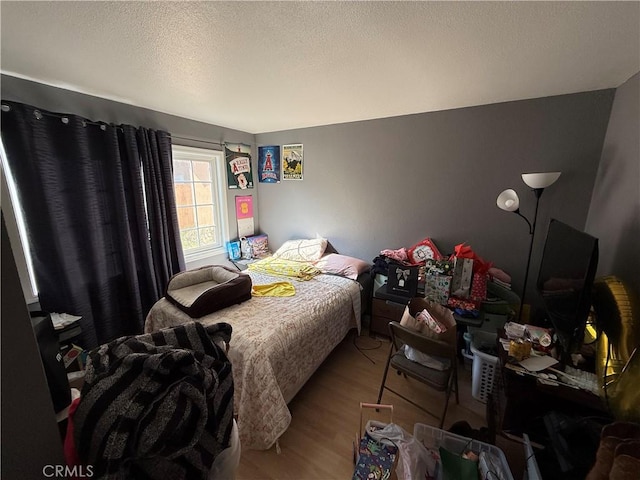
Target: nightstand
385	308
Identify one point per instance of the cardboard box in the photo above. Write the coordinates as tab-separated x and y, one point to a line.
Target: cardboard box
259	245
233	250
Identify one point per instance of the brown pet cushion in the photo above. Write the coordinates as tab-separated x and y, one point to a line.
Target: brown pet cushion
208	289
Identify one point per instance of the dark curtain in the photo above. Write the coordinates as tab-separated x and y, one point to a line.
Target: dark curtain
154	149
80	183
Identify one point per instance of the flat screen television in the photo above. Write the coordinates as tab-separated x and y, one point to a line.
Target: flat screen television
566	275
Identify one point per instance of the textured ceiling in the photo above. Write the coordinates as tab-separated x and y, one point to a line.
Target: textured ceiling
267	66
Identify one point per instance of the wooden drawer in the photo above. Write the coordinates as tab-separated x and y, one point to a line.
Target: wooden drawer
379	326
383	313
386	309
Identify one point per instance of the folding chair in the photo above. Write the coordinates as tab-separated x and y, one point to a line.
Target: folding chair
440	380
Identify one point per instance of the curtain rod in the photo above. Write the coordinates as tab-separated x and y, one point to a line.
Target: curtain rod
64	117
197	140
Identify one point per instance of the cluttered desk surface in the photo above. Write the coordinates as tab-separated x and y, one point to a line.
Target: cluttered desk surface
550	375
532	387
558	407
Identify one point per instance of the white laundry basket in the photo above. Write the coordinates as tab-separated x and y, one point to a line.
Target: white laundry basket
484	365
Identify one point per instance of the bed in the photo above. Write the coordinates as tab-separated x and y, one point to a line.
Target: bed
276	345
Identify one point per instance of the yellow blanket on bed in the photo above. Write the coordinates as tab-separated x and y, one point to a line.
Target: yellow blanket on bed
287	268
275	289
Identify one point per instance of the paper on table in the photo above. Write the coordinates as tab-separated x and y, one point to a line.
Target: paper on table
61	320
536	363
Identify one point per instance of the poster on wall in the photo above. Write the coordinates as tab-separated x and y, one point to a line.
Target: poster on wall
292	162
269	164
238	157
244	215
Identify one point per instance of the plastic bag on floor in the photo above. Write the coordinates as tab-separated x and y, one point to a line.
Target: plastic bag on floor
415	460
437	363
226	463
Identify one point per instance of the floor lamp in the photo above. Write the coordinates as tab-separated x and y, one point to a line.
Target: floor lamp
508	200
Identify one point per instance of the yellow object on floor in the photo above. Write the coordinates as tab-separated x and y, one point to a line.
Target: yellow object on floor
276	289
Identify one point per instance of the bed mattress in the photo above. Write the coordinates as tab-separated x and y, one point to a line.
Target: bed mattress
276	345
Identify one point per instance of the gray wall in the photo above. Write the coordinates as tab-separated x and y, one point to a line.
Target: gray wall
100	109
388	183
614	214
30	437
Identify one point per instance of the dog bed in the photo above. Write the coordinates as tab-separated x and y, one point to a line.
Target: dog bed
208	289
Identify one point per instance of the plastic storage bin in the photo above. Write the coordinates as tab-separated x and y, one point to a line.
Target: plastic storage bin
484	365
433	438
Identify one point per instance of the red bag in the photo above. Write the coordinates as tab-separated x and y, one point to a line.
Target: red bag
479	286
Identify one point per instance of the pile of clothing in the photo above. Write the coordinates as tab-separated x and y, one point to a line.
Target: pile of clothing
158	405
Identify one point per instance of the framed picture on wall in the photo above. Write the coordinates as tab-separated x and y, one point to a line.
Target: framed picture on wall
238	158
292	162
269	164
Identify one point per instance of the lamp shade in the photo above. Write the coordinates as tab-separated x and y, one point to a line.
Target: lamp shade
508	200
540	180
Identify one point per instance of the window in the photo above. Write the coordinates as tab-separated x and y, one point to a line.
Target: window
198	176
16	231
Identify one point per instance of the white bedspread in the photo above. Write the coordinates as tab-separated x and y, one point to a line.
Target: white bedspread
276	345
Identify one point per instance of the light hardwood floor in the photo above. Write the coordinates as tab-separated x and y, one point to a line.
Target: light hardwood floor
326	414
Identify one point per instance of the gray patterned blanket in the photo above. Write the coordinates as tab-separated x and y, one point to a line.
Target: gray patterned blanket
158	405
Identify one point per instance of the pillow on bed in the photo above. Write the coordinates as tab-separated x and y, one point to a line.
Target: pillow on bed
302	250
343	265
